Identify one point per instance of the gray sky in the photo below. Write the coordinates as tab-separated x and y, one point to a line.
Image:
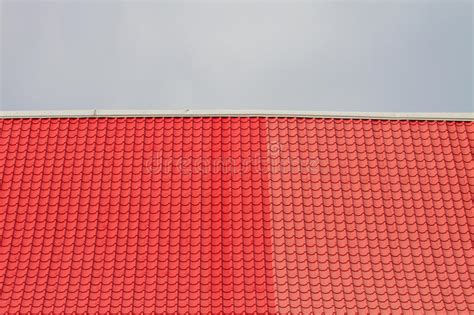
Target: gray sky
280	55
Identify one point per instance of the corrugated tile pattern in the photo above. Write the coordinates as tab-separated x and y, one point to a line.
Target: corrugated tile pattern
372	216
143	215
134	215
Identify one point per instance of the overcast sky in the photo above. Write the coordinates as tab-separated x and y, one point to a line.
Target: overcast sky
280	55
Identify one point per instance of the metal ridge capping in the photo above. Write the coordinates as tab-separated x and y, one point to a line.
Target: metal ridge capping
466	116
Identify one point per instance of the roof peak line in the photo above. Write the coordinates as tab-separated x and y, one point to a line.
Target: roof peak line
466	116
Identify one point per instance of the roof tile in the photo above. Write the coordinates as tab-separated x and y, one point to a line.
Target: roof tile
236	214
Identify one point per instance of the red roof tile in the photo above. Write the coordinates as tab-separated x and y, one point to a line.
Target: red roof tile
236	215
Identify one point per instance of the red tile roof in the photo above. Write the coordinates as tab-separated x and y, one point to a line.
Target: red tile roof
236	215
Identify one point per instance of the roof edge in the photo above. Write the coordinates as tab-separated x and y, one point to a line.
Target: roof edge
237	113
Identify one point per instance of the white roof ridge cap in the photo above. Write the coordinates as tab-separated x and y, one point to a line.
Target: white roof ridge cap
466	116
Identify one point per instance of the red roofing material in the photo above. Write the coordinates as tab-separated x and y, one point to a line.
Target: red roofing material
236	215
